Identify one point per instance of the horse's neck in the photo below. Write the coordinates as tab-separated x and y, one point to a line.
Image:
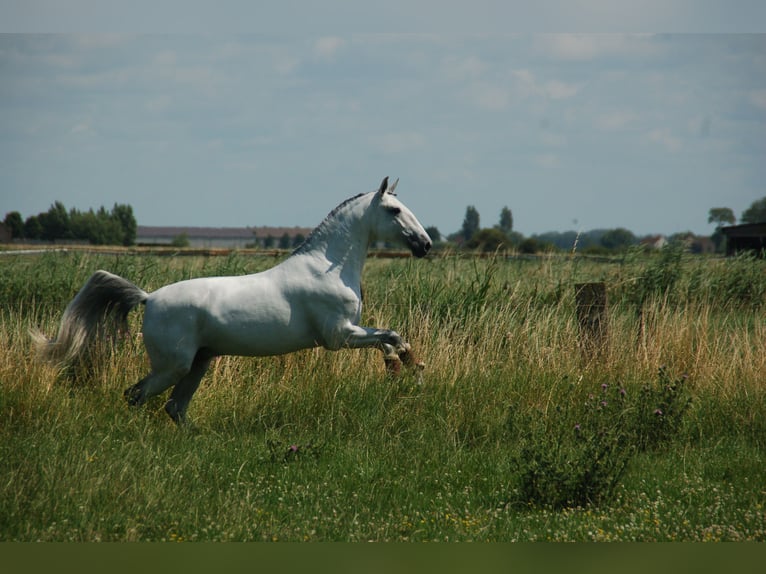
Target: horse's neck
343	245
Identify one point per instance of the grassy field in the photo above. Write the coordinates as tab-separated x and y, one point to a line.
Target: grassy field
511	433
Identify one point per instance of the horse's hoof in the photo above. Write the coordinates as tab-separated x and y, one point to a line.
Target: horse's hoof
410	360
133	396
393	365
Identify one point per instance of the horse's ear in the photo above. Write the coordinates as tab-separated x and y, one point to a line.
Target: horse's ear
383	186
393	186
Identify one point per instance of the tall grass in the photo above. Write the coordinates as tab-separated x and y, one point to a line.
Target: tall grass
502	437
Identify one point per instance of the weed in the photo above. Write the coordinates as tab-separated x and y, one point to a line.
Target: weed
578	456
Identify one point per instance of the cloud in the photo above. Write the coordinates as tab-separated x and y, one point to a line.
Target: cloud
464	68
400	142
664	137
700	126
616	120
550	139
547	160
166	58
758	99
490	97
586	47
82	128
100	41
159	103
327	46
556	90
526	84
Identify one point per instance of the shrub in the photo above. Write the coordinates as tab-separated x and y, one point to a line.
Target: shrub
579	457
656	416
661	275
180	240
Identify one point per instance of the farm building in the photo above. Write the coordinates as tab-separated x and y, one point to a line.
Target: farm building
223	237
654	242
746	237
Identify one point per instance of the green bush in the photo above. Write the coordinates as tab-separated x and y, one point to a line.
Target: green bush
578	455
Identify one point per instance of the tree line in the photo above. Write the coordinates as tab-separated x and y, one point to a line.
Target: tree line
119	227
501	235
99	227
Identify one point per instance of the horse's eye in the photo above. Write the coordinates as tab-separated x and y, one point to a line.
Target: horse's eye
395	210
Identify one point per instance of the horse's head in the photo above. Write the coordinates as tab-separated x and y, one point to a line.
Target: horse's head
395	223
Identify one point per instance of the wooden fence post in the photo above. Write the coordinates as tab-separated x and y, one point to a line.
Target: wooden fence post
592	317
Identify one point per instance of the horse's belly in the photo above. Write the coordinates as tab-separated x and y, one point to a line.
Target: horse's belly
257	328
256	339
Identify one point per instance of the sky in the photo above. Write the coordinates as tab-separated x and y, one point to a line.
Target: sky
232	127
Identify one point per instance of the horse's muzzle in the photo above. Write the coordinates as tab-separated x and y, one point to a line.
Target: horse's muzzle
420	248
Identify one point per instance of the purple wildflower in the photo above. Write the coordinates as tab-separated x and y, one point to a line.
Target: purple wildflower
623	392
577	427
658	412
604	386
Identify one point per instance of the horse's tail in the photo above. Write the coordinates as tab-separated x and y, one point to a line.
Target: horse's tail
104	298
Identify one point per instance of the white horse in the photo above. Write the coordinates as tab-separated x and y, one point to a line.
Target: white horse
313	298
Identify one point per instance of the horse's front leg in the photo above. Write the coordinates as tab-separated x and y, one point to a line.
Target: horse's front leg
394	360
395	350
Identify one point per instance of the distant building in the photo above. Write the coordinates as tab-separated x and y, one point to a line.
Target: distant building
222	237
702	245
654	242
746	237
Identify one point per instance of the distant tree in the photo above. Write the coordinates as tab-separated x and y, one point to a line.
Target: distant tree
108	229
564	240
298	240
616	239
721	215
124	215
116	227
470	223
14	223
284	241
434	234
488	240
83	224
506	221
684	238
55	223
181	240
532	245
268	241
33	229
756	213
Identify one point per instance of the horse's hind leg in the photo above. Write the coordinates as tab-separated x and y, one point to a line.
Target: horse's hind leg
171	359
152	384
186	387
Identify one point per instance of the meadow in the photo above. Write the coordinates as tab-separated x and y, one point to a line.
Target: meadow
514	431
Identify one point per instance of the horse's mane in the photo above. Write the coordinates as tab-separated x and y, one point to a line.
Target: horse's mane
318	231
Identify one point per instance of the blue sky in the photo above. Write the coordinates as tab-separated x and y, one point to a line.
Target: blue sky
570	130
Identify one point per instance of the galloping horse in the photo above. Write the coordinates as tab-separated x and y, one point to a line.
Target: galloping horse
313	298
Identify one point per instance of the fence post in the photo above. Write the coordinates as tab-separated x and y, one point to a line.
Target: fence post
592	317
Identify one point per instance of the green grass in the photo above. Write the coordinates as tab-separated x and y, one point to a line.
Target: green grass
323	446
